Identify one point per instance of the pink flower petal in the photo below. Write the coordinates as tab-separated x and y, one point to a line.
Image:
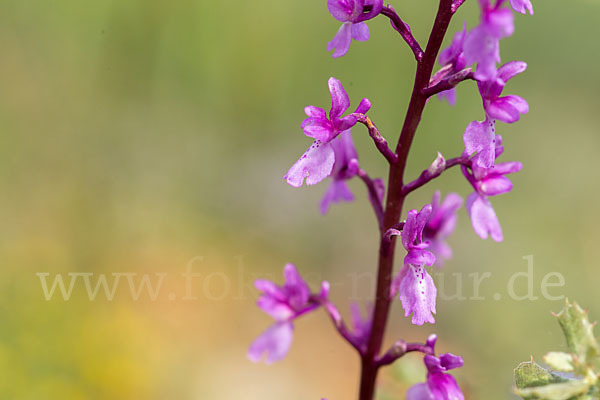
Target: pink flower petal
360	32
339	98
522	6
341	41
483	218
479	138
314	165
275	342
418	295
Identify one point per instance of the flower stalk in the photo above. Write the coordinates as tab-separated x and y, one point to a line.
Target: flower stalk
423	233
396	197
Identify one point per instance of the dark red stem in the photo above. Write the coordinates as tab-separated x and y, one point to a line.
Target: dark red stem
373	196
395	200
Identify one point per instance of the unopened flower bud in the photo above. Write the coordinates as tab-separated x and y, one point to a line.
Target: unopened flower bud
437	166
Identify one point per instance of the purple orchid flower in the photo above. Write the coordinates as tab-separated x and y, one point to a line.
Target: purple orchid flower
482	44
452	60
352	13
507	108
317	162
488	182
479	136
439	385
284	304
441	224
345	167
361	325
454	54
417	290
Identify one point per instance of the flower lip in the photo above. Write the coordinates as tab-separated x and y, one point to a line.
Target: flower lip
275	342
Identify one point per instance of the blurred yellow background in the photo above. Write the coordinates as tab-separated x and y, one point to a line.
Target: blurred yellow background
142	136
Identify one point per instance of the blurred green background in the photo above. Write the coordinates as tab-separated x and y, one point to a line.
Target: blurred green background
140	135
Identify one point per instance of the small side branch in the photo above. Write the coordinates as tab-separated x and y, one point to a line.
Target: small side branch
338	322
428	175
401	348
374	196
379	140
404	31
449	82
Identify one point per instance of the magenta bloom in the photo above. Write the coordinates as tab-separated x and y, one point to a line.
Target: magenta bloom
317	162
352	13
488	182
479	136
283	304
507	108
417	290
361	325
439	385
441	224
454	54
452	59
482	44
345	167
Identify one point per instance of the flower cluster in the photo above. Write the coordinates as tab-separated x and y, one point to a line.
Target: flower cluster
473	54
481	46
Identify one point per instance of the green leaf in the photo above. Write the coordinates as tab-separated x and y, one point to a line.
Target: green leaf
559	361
529	374
579	333
575	389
